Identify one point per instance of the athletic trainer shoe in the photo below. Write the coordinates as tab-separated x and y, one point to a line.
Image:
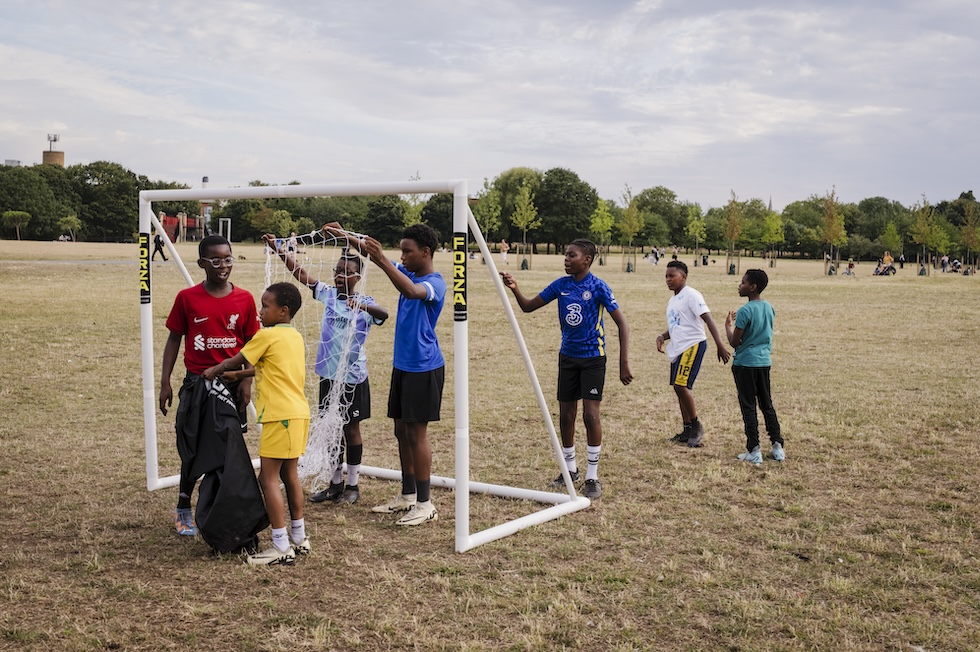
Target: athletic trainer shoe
184	522
272	556
330	493
400	503
559	482
349	497
681	437
754	456
592	489
419	514
697	434
777	454
303	547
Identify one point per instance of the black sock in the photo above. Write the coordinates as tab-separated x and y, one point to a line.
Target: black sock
183	501
408	484
422	490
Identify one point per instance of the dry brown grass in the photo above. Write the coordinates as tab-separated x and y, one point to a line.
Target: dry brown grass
865	539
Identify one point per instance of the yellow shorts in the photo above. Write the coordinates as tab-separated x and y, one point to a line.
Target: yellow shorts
284	440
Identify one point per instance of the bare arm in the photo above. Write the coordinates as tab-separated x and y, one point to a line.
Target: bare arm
287	257
625	375
234	362
378	313
734	335
526	304
170	351
724	355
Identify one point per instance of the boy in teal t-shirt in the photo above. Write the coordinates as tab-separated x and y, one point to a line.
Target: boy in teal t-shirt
752	341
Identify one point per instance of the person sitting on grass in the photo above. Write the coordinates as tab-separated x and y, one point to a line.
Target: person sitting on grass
277	354
582	358
341	305
749	332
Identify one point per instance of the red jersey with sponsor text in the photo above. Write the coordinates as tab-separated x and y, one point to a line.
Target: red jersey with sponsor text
214	329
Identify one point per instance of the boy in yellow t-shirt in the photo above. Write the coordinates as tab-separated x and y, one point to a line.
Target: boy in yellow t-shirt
278	358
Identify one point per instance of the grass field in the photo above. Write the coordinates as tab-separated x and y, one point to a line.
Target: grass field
866	538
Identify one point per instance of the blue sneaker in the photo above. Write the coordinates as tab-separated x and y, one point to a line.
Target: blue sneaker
184	522
777	454
754	456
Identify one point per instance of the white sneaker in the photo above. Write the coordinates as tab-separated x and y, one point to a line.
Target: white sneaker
272	556
754	456
303	547
419	514
400	503
777	454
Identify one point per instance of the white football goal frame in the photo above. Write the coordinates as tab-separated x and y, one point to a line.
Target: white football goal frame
559	504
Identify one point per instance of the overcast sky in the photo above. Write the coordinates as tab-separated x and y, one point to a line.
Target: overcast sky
781	99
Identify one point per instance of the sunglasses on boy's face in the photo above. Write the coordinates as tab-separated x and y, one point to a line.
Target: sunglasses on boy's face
220	262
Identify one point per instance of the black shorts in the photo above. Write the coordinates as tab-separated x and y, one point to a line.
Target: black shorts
581	378
416	397
358	396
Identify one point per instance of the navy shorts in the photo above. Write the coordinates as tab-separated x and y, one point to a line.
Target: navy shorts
684	370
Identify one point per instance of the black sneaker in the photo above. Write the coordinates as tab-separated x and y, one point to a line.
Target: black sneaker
697	434
681	437
330	493
349	496
592	489
559	482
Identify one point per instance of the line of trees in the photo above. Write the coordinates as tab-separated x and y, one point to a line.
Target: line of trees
99	202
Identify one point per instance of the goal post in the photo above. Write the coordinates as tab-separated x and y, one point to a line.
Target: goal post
463	224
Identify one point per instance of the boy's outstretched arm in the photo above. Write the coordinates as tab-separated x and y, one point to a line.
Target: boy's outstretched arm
625	375
287	257
234	362
724	355
527	305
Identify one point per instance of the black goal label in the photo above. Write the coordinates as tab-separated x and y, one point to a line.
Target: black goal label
459	276
144	268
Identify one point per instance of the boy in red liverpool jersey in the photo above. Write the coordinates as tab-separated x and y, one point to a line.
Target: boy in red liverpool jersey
217	319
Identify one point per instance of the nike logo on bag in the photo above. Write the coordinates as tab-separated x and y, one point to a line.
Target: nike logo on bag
198	320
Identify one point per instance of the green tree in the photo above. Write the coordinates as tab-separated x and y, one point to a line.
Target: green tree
413	205
922	229
697	228
733	226
890	238
437	212
109	200
71	224
659	207
16	220
487	210
600	227
385	219
970	231
565	204
631	221
525	216
832	232
25	189
509	183
772	231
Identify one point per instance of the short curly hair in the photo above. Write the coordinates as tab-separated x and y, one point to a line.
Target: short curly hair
423	235
286	295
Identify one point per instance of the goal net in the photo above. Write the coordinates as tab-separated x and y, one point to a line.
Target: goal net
464	225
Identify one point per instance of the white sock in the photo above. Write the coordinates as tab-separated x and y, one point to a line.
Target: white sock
297	530
338	475
592	454
353	474
279	539
570	462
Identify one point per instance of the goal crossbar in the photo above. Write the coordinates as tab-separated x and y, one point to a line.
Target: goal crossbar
464	223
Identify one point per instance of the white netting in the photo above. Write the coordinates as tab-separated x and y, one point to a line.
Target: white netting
331	342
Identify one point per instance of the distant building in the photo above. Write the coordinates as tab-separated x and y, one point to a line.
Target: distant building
11	162
181	227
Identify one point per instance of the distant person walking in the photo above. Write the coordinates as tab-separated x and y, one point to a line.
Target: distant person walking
504	248
158	247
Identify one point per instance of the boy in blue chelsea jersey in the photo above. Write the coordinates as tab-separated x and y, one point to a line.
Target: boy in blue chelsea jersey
582	298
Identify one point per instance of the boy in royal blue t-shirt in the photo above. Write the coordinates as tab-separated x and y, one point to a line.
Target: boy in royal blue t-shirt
752	340
582	298
418	373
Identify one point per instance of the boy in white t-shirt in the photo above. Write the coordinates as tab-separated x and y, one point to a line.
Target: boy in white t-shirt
686	346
